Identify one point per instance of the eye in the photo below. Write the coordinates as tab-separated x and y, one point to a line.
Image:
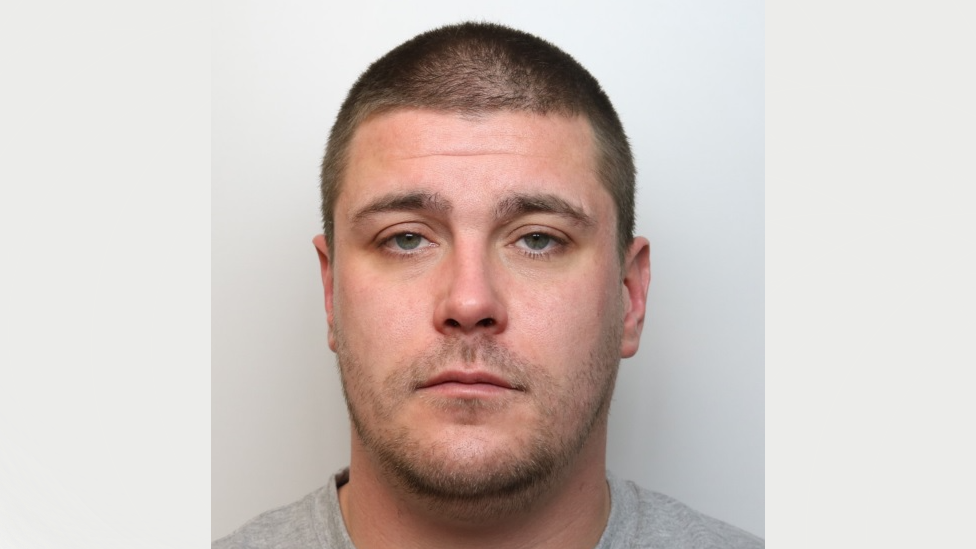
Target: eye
536	241
538	244
406	242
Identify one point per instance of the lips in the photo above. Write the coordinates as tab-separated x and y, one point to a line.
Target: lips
466	378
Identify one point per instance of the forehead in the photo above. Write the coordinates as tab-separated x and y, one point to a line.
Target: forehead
449	154
412	132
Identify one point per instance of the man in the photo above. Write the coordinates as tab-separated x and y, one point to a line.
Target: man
482	283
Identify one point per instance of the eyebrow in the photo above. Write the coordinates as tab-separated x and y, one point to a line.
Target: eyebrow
520	204
400	202
508	208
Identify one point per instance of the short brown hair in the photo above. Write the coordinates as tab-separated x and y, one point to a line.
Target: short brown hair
478	68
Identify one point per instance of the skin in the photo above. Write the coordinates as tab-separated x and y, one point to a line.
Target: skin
479	310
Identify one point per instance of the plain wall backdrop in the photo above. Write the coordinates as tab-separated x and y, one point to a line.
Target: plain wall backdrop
686	78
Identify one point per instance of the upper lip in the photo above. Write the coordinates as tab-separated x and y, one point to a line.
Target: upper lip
472	377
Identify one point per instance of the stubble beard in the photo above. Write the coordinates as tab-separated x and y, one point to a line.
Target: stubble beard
483	487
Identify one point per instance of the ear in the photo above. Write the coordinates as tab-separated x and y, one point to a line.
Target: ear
327	283
637	277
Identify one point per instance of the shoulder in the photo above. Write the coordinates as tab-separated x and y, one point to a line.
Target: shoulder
643	518
291	526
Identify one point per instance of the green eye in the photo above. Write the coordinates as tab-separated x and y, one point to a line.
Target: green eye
408	241
537	241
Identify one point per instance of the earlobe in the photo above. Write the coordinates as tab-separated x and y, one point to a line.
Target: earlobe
637	278
325	264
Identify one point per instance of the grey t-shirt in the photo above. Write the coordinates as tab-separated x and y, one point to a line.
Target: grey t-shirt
638	518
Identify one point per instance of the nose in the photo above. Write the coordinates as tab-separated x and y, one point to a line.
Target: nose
470	301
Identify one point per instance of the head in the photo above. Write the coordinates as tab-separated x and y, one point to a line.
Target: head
474	69
481	280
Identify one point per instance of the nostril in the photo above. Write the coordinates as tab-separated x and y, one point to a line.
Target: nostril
484	323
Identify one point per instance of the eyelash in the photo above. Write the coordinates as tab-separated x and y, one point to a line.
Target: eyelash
557	245
388	245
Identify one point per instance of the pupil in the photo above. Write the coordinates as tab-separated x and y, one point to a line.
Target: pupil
537	241
408	241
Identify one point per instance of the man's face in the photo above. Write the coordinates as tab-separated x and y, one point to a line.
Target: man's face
476	300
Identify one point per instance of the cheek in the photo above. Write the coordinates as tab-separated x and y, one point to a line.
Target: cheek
562	320
375	315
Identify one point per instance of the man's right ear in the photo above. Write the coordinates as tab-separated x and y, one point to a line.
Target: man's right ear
327	283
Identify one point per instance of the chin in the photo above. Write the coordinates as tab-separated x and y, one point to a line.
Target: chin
463	465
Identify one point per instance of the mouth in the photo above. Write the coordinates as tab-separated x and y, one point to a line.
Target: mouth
470	384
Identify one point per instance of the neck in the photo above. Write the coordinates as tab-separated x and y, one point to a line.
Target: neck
571	512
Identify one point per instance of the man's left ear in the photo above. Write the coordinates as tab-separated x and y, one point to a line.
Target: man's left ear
637	277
